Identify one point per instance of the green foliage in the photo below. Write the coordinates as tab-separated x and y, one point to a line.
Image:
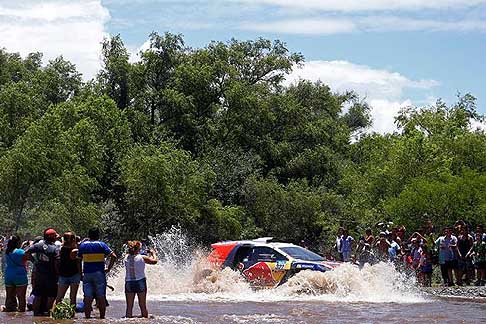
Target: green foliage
164	186
63	310
212	139
54	172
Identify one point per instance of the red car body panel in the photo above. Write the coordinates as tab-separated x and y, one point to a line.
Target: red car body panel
220	252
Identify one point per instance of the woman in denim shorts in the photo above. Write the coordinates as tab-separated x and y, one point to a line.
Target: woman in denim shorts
15	276
135	281
69	269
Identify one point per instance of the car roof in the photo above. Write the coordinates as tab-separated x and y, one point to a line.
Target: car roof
257	242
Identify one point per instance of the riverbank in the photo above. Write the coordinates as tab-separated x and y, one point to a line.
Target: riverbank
471	293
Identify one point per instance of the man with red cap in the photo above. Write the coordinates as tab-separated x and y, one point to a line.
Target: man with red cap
45	255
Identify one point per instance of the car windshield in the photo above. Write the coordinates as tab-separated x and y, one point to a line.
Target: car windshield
300	253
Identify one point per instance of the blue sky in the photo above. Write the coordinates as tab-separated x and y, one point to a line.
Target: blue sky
393	52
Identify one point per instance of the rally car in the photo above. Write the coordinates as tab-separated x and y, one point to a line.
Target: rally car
265	263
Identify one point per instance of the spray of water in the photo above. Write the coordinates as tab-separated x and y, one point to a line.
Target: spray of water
183	273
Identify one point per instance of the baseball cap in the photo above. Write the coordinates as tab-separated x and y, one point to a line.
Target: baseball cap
50	232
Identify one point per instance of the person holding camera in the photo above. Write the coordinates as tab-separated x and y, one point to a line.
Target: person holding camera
135	280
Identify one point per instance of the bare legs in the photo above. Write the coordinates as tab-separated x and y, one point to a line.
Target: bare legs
10	300
21	292
130	298
61	292
100	302
142	302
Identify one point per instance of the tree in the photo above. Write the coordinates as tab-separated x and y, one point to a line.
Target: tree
56	168
114	78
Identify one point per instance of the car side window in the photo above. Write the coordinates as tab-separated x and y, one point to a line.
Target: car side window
267	254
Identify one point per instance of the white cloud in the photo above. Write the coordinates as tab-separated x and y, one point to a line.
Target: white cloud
368	82
72	28
134	52
392	23
371	5
382	89
348	24
383	113
304	26
478	125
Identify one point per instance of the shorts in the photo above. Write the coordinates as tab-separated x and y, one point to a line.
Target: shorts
68	281
94	284
451	264
480	265
136	286
45	285
16	280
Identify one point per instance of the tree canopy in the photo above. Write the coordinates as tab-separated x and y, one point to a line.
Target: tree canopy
214	140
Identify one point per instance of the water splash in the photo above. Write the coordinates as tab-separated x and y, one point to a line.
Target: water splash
377	283
183	274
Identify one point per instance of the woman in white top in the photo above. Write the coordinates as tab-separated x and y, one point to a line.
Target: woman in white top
135	282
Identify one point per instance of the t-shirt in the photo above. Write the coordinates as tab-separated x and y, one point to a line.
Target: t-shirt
45	256
93	254
393	250
346	243
339	248
416	254
446	252
134	267
68	267
15	264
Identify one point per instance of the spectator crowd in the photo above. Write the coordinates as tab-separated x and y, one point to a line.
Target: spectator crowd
459	251
60	264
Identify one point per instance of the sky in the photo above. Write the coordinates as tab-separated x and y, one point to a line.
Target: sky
393	53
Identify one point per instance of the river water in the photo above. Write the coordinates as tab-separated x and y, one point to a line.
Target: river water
377	294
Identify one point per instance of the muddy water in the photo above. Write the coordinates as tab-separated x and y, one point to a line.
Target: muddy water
178	294
170	311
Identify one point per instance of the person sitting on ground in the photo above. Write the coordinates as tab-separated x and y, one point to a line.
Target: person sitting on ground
93	253
478	252
15	276
69	269
45	256
135	281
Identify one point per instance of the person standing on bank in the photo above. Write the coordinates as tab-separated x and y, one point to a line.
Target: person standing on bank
69	269
45	256
135	281
93	253
448	253
15	276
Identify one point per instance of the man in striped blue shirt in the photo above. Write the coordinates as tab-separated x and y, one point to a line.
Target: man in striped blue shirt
93	253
